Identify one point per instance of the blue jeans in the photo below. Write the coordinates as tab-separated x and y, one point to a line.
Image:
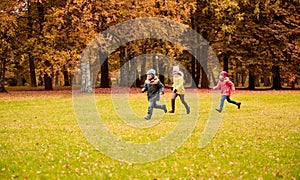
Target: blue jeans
152	105
228	99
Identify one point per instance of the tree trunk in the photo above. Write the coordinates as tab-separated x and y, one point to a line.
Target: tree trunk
133	75
204	60
225	61
193	72
18	74
161	69
169	70
266	80
237	79
251	78
293	85
66	77
276	77
257	84
48	82
41	82
56	79
86	83
243	78
19	79
32	71
143	70
293	82
124	67
197	74
198	66
195	62
204	79
137	81
2	75
154	62
41	17
213	78
104	82
30	57
2	87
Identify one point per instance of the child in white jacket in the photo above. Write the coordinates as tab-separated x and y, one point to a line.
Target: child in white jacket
178	89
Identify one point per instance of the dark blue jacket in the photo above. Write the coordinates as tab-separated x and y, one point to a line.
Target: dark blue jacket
153	88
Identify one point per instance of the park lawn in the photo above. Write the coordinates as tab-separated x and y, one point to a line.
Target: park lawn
41	139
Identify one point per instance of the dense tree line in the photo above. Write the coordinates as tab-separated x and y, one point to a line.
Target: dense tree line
42	41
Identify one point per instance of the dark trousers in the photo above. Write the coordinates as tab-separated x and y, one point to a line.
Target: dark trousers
174	96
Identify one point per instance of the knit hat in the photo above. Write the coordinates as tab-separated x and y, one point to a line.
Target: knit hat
224	73
151	71
175	68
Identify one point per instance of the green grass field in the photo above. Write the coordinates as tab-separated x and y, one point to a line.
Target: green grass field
41	139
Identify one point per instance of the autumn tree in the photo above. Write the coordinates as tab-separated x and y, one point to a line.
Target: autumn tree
8	23
266	41
216	21
251	38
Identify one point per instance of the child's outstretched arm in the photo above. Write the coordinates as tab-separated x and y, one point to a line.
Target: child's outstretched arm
145	88
218	86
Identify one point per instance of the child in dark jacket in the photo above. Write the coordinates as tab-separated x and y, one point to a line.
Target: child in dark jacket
154	87
227	88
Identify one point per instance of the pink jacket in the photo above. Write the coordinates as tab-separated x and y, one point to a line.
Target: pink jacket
226	86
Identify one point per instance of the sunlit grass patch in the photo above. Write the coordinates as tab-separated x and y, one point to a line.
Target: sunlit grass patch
40	138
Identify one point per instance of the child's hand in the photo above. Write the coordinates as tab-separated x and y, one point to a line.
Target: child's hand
143	90
162	93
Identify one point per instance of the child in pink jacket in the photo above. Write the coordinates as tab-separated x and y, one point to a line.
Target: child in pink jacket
227	88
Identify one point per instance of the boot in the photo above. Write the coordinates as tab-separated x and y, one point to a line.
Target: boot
188	110
171	111
239	105
165	108
219	110
173	106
